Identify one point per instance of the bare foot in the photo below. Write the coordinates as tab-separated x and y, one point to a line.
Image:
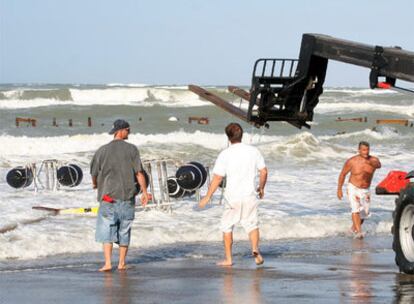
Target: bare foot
359	236
106	268
225	263
258	258
122	267
352	231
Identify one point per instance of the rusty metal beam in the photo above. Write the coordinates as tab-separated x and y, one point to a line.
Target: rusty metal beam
239	92
220	102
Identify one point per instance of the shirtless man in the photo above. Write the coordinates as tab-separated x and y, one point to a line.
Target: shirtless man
362	168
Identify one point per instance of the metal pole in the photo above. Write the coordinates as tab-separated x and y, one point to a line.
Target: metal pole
149	171
160	181
54	174
47	175
33	167
165	179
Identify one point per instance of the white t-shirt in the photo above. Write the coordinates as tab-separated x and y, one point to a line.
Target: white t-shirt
239	163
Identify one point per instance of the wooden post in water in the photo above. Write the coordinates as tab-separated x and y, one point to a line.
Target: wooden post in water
402	122
89	122
70	122
31	121
199	120
358	119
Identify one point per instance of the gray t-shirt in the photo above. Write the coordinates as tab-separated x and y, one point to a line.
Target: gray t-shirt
115	165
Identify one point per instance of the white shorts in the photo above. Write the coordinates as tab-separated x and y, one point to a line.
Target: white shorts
243	212
359	199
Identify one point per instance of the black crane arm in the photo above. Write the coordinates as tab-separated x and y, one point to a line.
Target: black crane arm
289	89
276	95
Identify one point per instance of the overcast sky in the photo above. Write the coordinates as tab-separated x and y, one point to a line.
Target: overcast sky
183	41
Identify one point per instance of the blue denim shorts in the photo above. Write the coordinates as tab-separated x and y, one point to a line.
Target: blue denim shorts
114	222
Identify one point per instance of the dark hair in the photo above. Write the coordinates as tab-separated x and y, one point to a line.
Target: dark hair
234	132
363	143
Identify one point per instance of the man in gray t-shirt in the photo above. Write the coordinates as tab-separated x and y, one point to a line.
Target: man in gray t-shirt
115	169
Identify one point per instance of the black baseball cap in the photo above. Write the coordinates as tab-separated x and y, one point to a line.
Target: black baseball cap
119	124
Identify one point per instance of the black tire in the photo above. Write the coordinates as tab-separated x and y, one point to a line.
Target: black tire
203	172
189	177
403	230
68	176
174	190
80	174
20	177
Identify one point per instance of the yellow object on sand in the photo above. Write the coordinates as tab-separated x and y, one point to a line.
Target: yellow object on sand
93	210
56	211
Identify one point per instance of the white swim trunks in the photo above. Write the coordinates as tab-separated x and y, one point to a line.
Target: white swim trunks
243	212
359	199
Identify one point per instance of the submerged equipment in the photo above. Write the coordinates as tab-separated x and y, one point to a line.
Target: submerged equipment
174	189
20	177
70	175
191	176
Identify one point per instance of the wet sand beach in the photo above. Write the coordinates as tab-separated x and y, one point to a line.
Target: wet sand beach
331	270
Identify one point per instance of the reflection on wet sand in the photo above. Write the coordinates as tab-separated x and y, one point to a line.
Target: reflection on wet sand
116	288
242	286
361	276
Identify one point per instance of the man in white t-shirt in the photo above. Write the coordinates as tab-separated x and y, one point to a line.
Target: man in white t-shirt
239	163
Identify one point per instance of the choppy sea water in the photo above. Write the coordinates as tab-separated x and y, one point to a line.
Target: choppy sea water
300	200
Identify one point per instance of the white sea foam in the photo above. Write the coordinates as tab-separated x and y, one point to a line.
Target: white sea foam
23	145
380	133
133	85
138	96
303	146
363	108
175	96
356	91
75	234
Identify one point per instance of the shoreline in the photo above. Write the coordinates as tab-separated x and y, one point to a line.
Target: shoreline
326	270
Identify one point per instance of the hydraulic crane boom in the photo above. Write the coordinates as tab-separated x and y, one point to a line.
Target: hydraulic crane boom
289	89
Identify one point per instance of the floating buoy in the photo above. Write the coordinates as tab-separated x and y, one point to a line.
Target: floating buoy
70	175
191	176
20	177
174	189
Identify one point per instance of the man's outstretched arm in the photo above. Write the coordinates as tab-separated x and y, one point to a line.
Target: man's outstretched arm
215	183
